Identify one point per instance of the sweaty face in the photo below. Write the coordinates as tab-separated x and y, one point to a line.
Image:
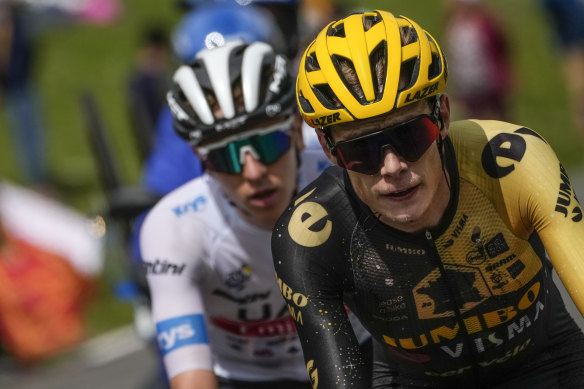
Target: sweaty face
261	192
408	196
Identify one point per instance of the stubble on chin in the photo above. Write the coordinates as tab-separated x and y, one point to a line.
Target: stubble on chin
395	220
398	222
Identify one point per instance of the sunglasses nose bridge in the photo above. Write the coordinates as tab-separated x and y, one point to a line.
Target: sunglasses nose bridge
390	161
384	149
248	149
252	168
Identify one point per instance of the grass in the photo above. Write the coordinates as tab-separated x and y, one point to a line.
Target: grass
75	58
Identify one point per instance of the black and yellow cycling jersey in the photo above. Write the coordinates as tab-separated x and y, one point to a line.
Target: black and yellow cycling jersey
470	303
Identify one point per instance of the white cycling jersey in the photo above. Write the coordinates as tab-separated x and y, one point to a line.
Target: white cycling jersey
215	299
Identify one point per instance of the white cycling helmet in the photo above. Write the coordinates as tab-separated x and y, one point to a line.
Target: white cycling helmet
202	99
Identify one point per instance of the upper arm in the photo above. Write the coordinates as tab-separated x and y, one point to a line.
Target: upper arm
310	275
171	259
538	192
331	350
560	225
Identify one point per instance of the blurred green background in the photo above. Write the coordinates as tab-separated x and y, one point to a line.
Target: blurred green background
74	58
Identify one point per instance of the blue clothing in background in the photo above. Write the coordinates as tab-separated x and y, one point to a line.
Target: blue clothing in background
172	162
567	17
21	101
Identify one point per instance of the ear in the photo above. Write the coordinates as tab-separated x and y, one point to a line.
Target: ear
197	153
202	161
320	134
297	129
445	114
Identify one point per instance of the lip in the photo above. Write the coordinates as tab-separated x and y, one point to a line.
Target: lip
264	198
402	194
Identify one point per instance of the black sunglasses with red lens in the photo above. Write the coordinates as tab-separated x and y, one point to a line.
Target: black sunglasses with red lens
409	140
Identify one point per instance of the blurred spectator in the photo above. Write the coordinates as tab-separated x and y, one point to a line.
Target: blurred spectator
50	257
477	51
314	15
286	14
97	11
19	95
21	21
100	12
147	85
567	20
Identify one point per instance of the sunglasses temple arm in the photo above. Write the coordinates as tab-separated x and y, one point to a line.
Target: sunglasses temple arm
327	139
442	152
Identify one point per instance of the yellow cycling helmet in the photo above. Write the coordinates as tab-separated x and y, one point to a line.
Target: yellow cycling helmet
366	65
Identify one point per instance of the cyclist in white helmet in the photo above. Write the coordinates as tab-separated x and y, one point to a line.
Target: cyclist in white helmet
221	321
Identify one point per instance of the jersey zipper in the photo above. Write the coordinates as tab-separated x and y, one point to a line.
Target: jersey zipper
454	295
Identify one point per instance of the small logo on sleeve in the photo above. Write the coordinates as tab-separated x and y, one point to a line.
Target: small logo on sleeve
181	331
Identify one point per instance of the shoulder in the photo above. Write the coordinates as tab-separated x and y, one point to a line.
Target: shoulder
192	202
486	129
308	220
183	225
499	148
513	166
325	190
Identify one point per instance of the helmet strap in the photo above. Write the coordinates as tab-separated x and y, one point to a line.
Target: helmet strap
440	141
328	139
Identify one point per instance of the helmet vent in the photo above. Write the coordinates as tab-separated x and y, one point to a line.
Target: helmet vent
311	63
185	102
378	59
237	93
326	96
407	74
267	75
338	30
348	75
436	65
202	75
305	104
408	35
434	68
370	21
212	101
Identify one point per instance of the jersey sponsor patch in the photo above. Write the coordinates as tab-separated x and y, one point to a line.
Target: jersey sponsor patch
163	267
181	331
190	206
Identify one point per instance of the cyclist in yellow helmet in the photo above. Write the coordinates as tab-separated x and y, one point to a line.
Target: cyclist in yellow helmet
433	232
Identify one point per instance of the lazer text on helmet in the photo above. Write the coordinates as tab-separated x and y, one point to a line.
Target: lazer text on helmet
422	93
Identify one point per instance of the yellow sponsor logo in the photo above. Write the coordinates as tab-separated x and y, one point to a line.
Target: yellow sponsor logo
473	324
294	300
312	373
302	226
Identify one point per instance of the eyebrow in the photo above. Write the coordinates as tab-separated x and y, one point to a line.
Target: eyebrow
383	123
351	132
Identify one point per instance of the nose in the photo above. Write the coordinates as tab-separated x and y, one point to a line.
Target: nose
393	164
252	168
